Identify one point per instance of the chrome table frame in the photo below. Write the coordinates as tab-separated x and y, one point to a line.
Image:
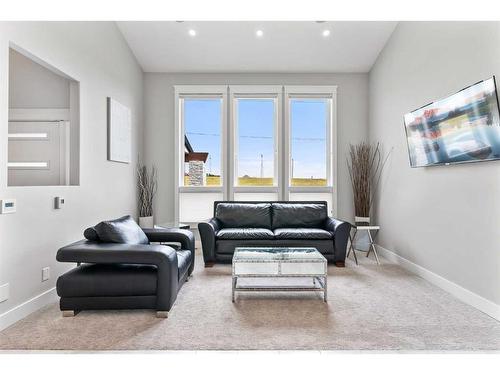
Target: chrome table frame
371	238
320	280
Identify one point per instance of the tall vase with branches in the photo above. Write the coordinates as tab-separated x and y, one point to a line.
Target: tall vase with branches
147	184
365	164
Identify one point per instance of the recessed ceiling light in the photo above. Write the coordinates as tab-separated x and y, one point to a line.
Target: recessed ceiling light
259	33
326	33
192	32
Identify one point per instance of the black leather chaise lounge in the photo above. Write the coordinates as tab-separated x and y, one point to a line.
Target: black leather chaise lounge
280	224
134	275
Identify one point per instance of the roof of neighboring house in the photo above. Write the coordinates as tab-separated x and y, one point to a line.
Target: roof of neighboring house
196	156
187	145
190	155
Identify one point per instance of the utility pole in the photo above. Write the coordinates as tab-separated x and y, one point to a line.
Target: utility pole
210	164
261	166
293	164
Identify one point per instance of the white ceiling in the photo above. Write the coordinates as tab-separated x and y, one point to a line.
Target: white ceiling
223	46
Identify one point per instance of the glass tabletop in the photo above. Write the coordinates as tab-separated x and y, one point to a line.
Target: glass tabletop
276	254
170	225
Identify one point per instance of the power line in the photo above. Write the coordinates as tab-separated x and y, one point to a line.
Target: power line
260	137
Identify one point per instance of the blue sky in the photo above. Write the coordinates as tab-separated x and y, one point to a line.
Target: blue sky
202	120
308	123
255	137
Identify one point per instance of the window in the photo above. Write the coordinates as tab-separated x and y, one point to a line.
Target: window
309	132
255	149
202	119
232	143
200	134
310	148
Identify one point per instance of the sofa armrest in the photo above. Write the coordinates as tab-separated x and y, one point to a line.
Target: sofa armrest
340	230
208	232
99	252
163	257
183	236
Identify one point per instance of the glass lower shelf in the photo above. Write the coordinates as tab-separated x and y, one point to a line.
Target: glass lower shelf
279	283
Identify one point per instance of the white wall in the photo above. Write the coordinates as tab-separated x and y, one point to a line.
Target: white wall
32	85
445	219
96	55
352	108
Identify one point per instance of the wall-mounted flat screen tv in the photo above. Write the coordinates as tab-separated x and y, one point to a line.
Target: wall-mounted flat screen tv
464	127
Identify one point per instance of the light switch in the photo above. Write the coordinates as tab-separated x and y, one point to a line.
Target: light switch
58	202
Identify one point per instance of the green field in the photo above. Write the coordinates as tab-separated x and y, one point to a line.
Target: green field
266	181
308	182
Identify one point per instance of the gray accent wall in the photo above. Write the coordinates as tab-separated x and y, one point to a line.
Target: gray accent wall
352	122
96	55
445	219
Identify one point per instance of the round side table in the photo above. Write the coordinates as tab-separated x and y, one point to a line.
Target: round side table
372	231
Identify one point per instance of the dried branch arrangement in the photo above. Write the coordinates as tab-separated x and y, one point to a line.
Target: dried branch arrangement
147	184
365	166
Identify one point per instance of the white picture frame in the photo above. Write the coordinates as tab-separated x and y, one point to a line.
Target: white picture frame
119	132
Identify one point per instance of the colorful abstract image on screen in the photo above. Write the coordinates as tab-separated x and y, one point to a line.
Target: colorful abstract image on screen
463	127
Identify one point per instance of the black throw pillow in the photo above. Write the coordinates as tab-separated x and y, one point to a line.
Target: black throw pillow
91	234
122	230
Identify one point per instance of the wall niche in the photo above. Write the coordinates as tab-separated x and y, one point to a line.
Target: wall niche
44	123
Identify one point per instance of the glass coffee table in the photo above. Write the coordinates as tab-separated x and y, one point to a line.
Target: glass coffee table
299	269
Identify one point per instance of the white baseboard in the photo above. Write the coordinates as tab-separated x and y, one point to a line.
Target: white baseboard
24	309
464	295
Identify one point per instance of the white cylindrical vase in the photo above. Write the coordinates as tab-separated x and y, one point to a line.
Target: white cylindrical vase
146	221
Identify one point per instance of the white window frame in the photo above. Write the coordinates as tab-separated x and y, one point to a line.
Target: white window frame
255	92
197	92
312	92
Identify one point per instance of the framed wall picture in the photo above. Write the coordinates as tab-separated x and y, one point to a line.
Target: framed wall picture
119	132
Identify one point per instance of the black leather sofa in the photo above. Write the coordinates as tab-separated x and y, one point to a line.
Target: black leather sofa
126	276
280	224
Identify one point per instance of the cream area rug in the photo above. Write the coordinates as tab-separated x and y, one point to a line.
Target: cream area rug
369	307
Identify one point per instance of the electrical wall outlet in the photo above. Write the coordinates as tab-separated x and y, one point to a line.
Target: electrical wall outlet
45	273
4	292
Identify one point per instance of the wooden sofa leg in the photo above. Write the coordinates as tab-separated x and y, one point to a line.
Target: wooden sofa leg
339	263
162	314
69	313
209	264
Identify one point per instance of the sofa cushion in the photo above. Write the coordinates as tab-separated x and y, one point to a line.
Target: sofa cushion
244	215
226	247
122	230
302	234
244	234
95	280
298	215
